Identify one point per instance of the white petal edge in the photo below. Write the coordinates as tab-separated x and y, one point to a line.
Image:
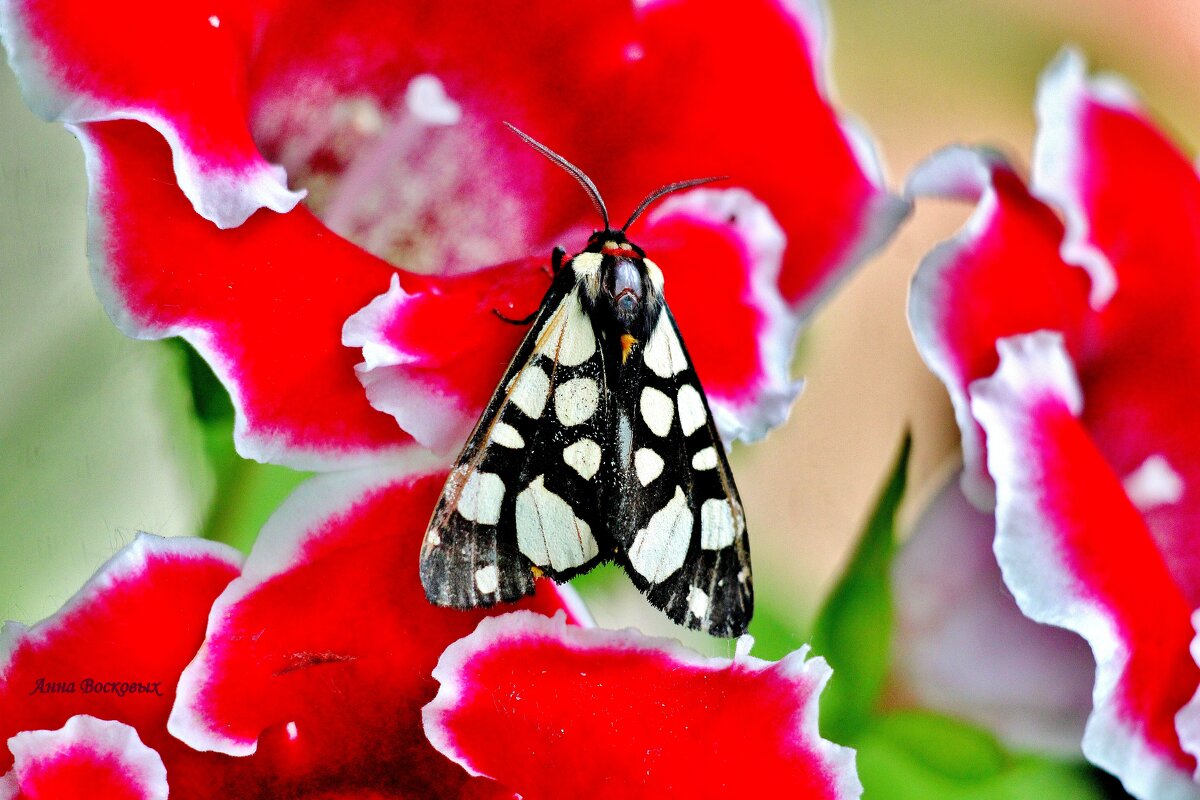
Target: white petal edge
111	740
1064	89
958	173
280	546
1036	365
226	196
131	560
256	446
1187	721
436	420
813	673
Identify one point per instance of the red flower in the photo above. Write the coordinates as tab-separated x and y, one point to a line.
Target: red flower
1088	332
390	115
316	663
559	711
423	216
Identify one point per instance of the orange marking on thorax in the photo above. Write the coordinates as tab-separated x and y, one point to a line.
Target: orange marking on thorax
627	343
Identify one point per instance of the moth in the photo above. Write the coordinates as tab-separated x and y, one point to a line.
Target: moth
597	445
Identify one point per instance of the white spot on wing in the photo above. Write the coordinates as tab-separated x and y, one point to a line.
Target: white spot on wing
507	436
691	409
531	390
1154	484
648	465
576	400
426	98
718	525
697	602
548	532
657	411
486	579
705	459
663	353
583	457
624	438
660	548
481	497
567	337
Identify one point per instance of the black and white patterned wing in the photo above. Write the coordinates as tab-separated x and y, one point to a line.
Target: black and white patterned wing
675	514
523	499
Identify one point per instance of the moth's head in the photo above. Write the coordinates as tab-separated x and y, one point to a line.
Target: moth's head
624	276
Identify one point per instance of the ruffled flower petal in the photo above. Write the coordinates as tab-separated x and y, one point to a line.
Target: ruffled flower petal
963	647
114	652
264	303
435	351
558	711
84	759
1131	200
179	67
319	656
1000	275
1076	553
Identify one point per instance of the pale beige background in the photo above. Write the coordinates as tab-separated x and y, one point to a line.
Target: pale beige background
93	443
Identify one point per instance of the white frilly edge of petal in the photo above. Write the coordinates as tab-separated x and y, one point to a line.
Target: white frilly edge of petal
278	548
108	738
129	561
434	419
224	195
1064	90
955	173
765	242
256	446
885	211
810	673
1187	721
1034	366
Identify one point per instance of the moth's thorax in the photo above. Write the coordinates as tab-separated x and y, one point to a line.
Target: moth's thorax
620	281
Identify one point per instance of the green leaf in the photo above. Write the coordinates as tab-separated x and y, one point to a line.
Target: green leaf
854	628
914	755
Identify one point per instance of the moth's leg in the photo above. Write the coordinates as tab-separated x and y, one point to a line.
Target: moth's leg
524	321
556	259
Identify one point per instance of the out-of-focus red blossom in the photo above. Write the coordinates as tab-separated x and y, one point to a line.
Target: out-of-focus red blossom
204	124
559	711
1065	321
389	115
316	665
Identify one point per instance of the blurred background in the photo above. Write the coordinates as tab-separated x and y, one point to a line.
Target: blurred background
99	435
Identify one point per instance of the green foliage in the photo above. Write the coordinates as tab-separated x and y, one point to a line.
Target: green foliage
853	631
915	755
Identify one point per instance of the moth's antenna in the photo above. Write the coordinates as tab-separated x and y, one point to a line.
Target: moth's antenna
575	171
670	187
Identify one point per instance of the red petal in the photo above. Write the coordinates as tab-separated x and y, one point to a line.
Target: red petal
86	758
1076	553
319	657
179	67
557	711
264	302
999	276
139	620
1132	201
964	648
